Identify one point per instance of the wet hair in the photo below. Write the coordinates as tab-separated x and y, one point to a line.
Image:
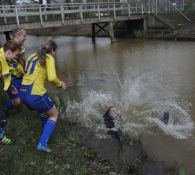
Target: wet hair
17	31
11	45
47	48
109	120
108	111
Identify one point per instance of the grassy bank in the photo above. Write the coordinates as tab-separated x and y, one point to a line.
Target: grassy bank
67	157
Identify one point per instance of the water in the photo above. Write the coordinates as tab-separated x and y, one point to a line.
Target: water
143	78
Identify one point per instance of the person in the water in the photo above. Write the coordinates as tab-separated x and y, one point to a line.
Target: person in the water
165	118
110	117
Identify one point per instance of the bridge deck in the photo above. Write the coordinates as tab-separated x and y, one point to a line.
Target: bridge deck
53	15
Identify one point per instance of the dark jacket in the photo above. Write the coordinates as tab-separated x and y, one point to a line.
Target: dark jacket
109	121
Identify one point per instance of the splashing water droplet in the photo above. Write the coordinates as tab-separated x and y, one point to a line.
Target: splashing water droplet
142	99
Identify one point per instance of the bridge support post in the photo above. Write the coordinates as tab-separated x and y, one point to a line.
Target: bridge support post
111	31
102	28
145	25
93	32
7	35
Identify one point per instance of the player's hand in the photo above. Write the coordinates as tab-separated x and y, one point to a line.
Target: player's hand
64	85
14	90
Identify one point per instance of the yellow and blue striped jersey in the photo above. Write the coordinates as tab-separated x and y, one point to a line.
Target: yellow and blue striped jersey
17	69
5	70
9	69
36	75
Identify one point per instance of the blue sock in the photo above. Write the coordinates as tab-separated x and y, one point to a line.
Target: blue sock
1	133
8	105
47	131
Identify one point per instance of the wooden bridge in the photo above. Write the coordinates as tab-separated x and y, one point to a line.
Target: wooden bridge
54	15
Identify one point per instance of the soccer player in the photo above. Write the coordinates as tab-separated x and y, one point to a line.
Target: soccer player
17	64
8	52
39	68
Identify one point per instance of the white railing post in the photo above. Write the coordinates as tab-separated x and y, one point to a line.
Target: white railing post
129	10
142	9
5	19
40	14
156	11
62	13
99	12
152	5
114	9
81	12
17	18
45	11
26	18
149	6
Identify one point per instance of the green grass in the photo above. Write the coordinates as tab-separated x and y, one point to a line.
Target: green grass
67	157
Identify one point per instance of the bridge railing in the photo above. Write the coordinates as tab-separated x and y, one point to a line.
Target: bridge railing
164	6
13	14
10	14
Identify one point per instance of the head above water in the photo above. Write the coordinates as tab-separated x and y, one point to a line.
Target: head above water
19	35
48	48
112	111
11	49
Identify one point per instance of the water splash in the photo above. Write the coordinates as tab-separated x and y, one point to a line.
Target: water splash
89	112
142	99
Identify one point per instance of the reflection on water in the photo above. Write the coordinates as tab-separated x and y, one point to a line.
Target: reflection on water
143	79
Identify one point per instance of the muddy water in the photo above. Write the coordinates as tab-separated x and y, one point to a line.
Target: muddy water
143	78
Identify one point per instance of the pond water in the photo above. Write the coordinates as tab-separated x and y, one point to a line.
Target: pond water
143	78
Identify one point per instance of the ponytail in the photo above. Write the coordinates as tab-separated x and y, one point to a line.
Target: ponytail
42	56
45	49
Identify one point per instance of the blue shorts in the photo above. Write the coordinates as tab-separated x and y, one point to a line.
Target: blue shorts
16	82
41	104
